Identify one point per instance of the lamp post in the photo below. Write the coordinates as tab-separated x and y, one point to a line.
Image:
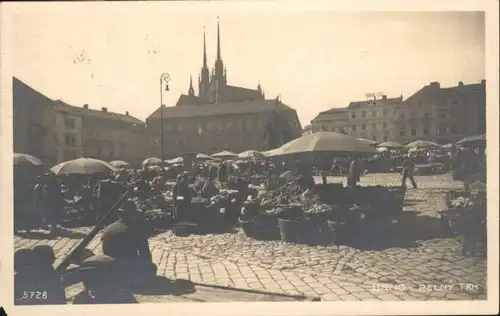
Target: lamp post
165	77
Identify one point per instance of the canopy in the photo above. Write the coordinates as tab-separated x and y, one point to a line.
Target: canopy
251	154
422	144
151	161
119	163
26	160
447	146
225	154
329	142
382	149
369	141
177	160
473	140
82	166
203	157
391	144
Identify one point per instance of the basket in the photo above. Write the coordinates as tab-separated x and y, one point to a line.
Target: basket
260	227
294	230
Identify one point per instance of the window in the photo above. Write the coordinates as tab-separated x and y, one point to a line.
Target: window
401	132
443	113
442	130
426	113
374	113
69	122
56	140
374	125
363	114
384	138
69	140
353	115
353	128
402	114
384	125
364	126
374	138
426	131
385	112
454	128
454	101
413	132
412	113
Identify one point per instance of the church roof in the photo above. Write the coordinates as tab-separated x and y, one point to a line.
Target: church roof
233	93
227	108
185	99
370	103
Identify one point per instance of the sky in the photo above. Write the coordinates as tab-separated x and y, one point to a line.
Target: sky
112	56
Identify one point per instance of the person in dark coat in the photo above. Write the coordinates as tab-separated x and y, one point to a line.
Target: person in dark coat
53	201
103	282
354	174
35	281
408	168
126	241
222	173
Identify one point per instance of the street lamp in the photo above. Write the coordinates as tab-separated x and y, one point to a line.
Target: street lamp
165	77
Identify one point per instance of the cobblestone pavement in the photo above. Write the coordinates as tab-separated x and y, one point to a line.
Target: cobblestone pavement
430	268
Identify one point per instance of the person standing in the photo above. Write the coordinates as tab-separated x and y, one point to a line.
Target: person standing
53	201
354	174
408	168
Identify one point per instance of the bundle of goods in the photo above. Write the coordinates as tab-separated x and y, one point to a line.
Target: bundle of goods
286	194
200	200
461	211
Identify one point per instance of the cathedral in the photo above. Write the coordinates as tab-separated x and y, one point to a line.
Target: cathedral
222	117
212	84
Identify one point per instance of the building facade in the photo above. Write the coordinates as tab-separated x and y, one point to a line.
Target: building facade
443	115
370	119
67	133
373	119
33	121
333	120
222	117
104	135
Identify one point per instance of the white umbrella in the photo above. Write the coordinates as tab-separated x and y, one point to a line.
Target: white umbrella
225	155
203	157
177	160
26	160
251	154
82	166
391	144
382	149
422	144
119	163
151	161
324	142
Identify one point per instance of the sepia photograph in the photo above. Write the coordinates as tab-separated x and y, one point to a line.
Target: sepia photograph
186	153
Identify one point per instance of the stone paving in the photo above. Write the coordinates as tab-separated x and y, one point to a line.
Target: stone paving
431	268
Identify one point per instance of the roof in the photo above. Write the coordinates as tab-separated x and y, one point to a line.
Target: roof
19	87
371	103
330	111
61	105
185	99
233	93
434	90
227	108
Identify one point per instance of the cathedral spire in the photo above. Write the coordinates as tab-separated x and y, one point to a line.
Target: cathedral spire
191	89
204	50
218	40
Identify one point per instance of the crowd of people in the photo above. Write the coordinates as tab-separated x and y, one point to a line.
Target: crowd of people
39	201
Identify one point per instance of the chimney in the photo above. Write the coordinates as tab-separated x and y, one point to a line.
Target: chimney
460	83
435	84
384	97
483	81
85	106
105	110
126	113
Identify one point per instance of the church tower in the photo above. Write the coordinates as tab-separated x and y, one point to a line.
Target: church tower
204	78
219	81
